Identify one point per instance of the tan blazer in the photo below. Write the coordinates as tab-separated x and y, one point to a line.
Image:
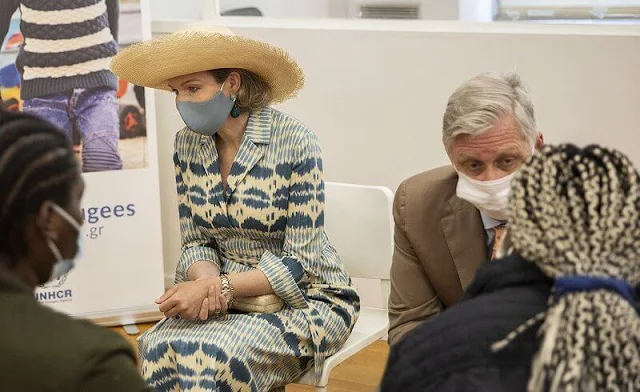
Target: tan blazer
439	245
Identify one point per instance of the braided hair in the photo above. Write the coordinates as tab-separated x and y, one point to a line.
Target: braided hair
36	165
577	212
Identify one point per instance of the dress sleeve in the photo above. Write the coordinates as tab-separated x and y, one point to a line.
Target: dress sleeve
289	272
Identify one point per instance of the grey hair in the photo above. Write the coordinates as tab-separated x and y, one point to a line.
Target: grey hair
478	103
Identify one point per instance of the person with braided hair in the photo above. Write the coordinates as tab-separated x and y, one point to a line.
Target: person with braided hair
40	225
559	311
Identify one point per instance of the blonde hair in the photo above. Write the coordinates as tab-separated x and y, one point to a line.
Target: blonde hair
254	93
576	212
478	103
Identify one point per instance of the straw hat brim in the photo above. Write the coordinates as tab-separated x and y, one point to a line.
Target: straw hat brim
153	63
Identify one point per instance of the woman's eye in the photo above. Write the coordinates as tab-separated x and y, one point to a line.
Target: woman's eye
194	89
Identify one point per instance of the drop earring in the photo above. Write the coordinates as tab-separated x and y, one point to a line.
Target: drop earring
235	110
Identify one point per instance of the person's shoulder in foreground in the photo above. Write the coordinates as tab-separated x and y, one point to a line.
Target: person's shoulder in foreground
44	350
452	351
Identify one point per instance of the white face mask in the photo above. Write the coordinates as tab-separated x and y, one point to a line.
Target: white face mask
490	197
64	266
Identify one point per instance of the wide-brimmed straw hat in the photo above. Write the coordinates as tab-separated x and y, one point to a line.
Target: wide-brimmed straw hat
203	48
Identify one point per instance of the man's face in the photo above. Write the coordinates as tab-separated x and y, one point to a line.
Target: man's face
493	154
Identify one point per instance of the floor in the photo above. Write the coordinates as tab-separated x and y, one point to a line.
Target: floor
362	372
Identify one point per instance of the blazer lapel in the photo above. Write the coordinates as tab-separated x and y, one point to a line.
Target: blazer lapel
252	148
463	229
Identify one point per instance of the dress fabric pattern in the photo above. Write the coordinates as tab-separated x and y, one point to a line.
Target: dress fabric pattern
271	217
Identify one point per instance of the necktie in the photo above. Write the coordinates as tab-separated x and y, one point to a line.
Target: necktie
497	240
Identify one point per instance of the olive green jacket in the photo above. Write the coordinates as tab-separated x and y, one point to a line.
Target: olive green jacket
43	350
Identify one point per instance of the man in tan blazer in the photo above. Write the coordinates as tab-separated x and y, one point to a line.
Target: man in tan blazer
449	220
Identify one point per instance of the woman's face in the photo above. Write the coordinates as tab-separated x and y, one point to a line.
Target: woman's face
196	87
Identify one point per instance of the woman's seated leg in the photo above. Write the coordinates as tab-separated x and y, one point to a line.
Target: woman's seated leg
248	352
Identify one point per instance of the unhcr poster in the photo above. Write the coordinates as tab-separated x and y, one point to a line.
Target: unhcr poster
54	63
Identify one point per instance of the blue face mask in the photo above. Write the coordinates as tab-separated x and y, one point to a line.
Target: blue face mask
64	266
206	117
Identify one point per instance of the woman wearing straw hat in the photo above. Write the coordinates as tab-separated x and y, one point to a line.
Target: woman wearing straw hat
261	295
560	312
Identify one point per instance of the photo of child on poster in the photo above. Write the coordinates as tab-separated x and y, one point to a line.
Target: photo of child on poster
54	63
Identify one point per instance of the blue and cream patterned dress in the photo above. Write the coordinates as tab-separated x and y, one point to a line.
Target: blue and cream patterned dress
270	217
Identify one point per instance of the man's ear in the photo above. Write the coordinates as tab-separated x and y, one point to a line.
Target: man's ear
540	141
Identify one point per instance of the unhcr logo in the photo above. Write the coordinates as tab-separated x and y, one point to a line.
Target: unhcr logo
54	296
52	292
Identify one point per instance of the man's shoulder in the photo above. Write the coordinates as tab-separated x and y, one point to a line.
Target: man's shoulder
439	175
437	184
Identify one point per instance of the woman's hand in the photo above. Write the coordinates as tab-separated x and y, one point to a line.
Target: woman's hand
187	299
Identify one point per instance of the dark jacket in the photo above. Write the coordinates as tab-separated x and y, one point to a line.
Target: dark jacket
43	350
452	351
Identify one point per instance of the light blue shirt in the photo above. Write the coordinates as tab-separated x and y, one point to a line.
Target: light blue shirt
489	224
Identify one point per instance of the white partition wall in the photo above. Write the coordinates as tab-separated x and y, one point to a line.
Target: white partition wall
376	91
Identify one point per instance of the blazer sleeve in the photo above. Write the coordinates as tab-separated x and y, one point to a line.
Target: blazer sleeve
288	273
196	246
413	298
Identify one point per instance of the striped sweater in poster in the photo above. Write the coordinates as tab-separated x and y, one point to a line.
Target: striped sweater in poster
67	44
